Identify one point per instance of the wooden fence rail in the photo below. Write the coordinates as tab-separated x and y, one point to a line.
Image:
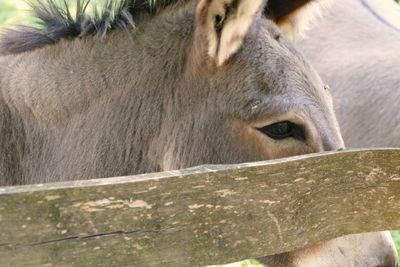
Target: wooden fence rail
201	216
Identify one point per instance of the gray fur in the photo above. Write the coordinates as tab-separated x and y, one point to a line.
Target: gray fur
90	108
357	52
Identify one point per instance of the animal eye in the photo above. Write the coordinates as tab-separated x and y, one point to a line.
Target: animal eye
282	130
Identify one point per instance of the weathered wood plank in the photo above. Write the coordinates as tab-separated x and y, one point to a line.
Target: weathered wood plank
201	216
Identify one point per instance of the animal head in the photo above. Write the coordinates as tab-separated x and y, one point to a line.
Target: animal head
229	85
247	94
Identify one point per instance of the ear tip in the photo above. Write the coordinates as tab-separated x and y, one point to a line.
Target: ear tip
239	17
220	62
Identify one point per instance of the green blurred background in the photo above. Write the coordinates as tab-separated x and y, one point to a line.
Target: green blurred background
13	12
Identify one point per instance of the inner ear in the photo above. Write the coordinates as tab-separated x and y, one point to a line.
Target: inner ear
277	10
225	24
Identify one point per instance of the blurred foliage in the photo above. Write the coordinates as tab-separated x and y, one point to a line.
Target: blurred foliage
396	237
12	11
15	12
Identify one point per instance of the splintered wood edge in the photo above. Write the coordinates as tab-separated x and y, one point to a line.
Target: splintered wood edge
203	169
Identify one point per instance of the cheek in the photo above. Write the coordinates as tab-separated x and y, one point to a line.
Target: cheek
253	144
289	148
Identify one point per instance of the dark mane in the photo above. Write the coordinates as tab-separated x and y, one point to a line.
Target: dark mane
56	22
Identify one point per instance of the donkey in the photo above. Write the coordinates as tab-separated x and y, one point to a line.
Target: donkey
149	86
356	50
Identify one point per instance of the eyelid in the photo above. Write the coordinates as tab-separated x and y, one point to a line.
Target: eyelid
293	117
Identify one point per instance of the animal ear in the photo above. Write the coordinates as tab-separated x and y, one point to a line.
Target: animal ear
225	24
294	16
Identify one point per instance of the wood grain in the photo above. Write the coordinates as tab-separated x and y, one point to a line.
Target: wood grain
201	216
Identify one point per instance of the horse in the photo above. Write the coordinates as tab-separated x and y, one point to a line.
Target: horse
360	60
148	86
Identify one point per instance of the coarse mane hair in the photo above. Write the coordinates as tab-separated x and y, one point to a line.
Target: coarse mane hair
55	21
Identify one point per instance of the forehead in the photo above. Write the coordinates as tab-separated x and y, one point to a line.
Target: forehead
276	64
270	70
